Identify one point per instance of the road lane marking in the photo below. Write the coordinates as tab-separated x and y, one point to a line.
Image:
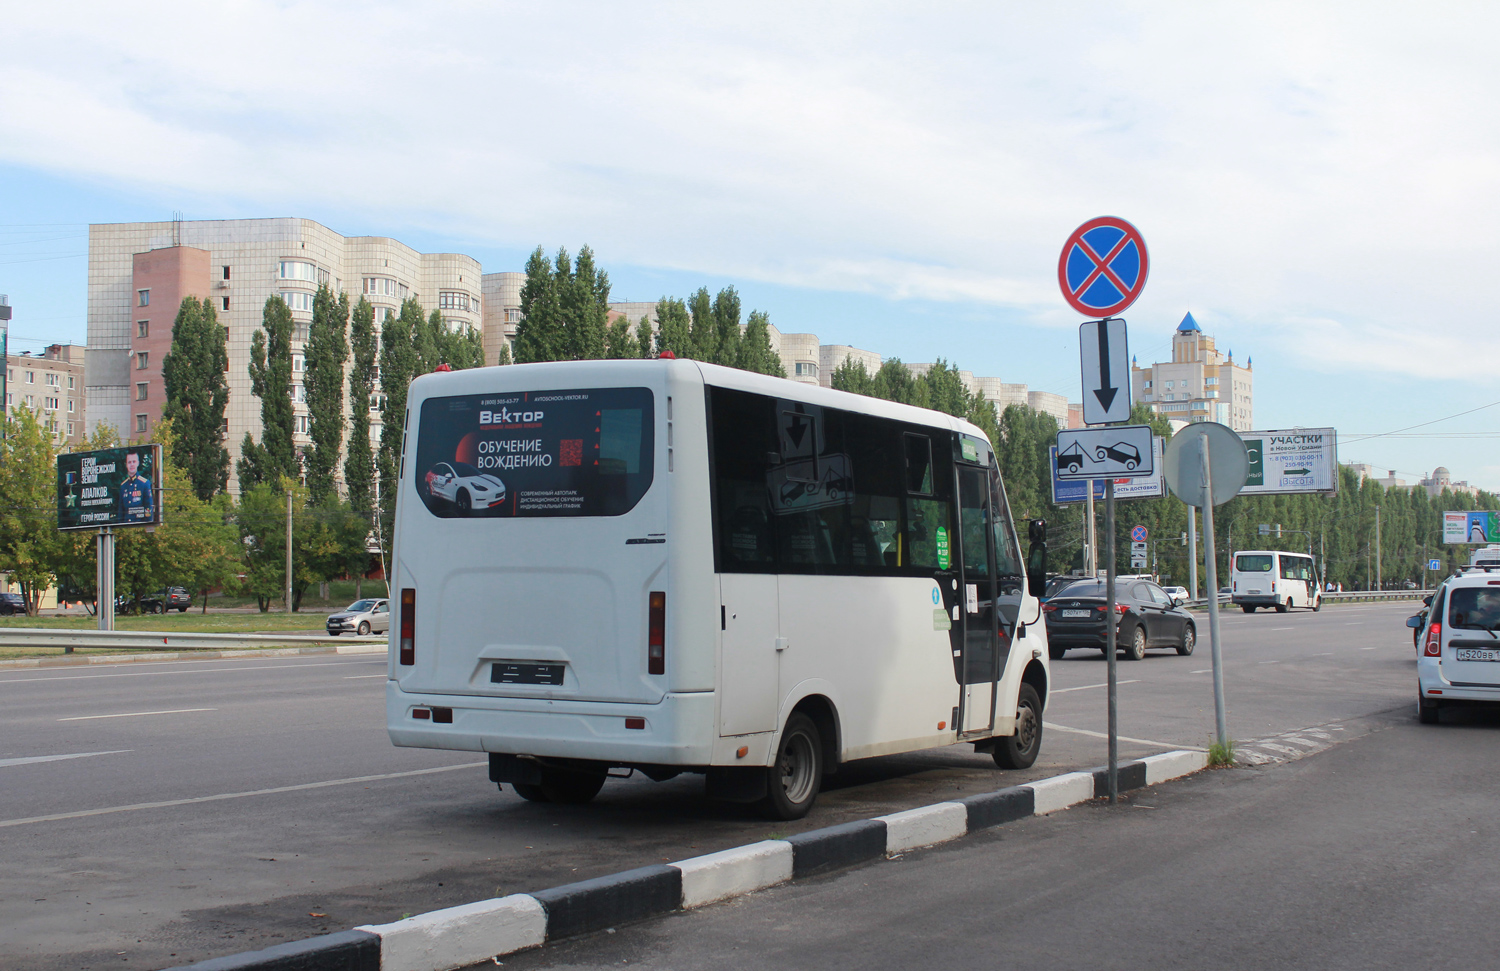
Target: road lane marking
1367	649
356	677
144	674
59	758
1324	654
1124	738
1081	687
1203	671
167	803
1267	662
1283	628
1354	623
134	714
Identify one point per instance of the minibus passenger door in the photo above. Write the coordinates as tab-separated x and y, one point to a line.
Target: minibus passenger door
980	664
749	668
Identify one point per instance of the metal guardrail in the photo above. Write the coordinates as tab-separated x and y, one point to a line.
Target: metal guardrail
166	640
1348	596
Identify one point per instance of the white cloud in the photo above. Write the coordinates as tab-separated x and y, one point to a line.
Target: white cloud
1289	164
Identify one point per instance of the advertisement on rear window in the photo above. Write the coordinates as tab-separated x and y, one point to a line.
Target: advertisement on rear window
535	453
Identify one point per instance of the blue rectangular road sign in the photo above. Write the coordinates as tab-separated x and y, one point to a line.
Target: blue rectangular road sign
1434	564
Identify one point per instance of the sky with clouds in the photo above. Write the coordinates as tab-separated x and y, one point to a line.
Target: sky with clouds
1317	183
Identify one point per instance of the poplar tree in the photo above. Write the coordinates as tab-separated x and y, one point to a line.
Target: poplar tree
585	305
620	343
674	333
755	353
197	396
399	363
323	376
271	382
539	336
645	338
726	316
705	332
359	461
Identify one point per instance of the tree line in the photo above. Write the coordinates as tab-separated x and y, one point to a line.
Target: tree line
208	540
565	316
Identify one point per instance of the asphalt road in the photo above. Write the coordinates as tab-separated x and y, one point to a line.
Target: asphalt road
1378	853
234	804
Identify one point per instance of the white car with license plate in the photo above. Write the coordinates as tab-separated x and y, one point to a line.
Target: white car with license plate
1458	660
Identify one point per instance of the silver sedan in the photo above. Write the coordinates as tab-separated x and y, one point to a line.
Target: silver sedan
361	617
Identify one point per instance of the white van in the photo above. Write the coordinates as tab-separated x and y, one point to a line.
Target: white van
696	568
1273	578
1458	662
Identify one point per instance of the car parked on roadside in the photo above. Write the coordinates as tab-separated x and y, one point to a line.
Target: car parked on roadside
1145	617
368	616
1458	662
178	599
1179	595
12	603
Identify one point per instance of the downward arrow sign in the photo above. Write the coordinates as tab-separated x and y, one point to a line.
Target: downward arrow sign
1105	392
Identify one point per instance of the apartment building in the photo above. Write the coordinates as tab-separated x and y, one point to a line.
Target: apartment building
1200	383
139	274
51	384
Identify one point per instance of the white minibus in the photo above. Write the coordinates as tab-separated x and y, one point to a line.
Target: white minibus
1272	578
677	567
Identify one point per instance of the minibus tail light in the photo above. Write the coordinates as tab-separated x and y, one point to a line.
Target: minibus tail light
408	625
656	637
1434	646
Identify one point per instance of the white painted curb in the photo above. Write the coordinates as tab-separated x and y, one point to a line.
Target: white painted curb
1062	791
729	873
461	936
1173	765
924	826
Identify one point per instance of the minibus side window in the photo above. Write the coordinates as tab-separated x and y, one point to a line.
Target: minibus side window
744	443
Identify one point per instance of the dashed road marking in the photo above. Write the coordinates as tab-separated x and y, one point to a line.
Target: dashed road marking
1286	746
58	758
1081	687
135	714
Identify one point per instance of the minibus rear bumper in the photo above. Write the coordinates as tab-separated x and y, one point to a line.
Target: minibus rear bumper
1255	599
678	730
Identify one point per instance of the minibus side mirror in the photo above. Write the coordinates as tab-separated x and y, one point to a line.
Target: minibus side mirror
1036	558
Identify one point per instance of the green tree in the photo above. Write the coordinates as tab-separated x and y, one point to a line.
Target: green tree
895	382
755	353
645	338
504	354
197	396
399	364
674	331
851	376
620	343
539	336
726	328
946	391
704	333
359	463
585	304
270	381
29	544
323	376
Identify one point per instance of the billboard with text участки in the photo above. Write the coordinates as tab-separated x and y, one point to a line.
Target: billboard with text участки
1292	460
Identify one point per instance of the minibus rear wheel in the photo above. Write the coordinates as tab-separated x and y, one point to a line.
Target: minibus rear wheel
566	786
794	779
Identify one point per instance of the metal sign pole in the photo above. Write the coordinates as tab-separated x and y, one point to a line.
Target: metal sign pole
289	551
1090	559
1111	637
1211	562
104	593
1193	551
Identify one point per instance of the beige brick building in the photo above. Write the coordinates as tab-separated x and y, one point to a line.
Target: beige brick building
1200	383
139	274
51	384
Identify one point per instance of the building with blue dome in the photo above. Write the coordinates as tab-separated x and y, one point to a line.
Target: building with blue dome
1200	383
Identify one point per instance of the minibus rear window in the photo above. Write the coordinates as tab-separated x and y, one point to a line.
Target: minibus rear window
538	453
1253	563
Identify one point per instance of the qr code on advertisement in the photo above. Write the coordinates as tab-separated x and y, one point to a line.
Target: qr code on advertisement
570	451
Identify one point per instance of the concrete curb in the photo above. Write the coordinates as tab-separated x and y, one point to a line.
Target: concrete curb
460	936
152	657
